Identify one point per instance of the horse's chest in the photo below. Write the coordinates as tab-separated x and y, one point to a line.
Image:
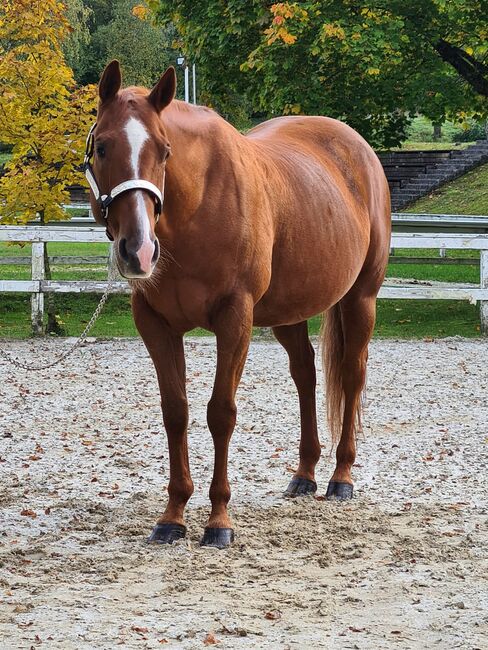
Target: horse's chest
184	304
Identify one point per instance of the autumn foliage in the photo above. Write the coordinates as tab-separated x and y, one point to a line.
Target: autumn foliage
43	114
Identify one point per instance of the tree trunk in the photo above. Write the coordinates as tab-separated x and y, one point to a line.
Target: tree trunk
52	326
473	71
437	134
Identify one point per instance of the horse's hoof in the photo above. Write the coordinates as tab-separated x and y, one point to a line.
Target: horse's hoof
300	487
339	490
218	537
166	533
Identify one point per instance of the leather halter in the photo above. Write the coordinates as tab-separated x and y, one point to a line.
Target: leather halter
104	200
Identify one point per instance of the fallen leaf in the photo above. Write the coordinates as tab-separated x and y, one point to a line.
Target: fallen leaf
28	513
357	629
273	615
210	639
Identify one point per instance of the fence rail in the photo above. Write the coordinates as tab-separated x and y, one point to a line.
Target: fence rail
401	221
38	285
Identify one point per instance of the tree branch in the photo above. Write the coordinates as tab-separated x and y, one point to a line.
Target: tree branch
474	72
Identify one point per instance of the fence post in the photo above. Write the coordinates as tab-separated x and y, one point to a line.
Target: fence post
37	299
484	285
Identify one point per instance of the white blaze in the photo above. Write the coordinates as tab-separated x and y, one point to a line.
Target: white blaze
137	136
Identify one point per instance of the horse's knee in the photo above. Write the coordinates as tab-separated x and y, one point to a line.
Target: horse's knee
221	416
175	415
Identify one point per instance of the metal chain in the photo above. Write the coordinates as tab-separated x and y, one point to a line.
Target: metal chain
23	366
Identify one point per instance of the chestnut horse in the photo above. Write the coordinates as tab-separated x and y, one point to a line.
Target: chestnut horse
268	229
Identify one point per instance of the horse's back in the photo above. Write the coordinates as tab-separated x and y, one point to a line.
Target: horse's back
339	148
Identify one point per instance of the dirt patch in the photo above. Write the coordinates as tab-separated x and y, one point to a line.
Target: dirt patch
83	475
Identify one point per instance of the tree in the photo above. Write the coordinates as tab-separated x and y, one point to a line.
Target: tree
144	50
372	64
78	15
43	114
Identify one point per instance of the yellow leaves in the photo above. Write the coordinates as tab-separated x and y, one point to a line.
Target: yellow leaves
283	12
294	109
287	38
42	113
373	71
280	34
469	50
283	9
330	30
368	13
140	11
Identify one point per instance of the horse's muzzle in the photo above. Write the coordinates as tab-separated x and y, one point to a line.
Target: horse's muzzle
137	262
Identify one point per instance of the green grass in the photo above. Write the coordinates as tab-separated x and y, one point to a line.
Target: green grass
417	319
396	318
465	195
422	130
54	248
431	146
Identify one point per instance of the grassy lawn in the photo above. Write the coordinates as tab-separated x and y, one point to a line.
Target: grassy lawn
396	318
431	146
466	195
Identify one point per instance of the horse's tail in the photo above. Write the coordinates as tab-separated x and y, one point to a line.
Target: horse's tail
332	348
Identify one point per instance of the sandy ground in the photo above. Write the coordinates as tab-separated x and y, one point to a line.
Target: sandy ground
83	475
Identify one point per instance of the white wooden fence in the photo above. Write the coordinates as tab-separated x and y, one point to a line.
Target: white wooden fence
38	285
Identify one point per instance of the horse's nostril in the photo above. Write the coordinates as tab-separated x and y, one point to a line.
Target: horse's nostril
156	252
123	250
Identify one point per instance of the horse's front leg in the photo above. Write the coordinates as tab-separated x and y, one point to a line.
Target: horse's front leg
232	324
167	352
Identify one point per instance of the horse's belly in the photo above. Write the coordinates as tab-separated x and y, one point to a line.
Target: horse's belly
278	307
309	283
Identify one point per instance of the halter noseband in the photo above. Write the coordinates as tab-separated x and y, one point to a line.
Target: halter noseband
104	200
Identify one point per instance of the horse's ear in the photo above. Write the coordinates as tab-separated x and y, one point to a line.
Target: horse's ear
164	91
110	81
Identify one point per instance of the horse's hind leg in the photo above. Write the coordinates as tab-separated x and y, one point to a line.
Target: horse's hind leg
294	338
353	321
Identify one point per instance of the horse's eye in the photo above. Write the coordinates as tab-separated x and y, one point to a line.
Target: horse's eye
100	149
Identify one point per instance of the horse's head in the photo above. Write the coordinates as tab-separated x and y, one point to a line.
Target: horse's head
129	149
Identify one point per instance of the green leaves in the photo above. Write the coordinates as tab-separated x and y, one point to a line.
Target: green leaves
372	64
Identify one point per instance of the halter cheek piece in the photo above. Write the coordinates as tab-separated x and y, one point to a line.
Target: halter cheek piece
104	200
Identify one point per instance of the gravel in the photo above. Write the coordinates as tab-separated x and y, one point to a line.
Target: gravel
84	468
